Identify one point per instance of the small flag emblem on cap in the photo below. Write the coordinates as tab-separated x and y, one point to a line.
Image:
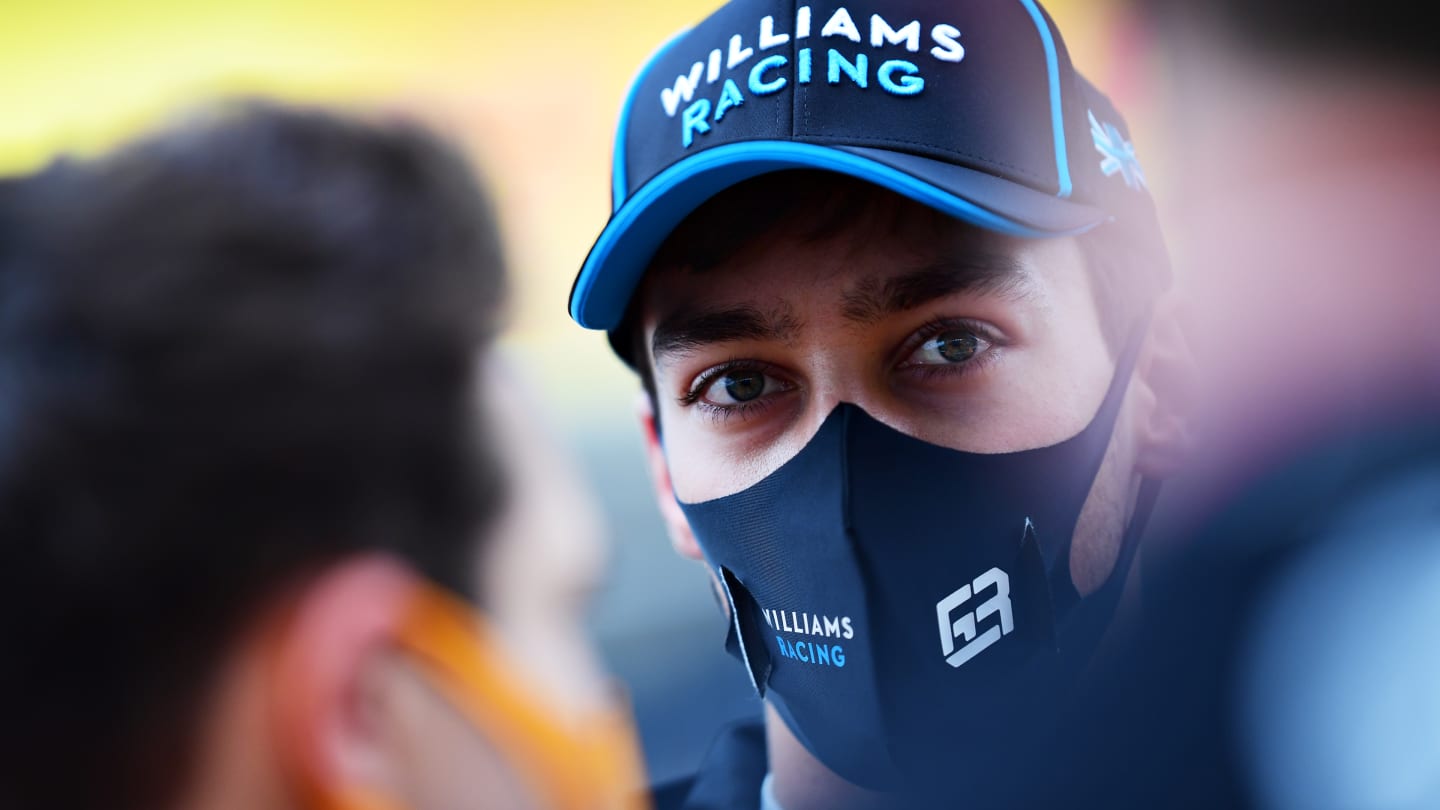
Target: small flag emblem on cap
1118	154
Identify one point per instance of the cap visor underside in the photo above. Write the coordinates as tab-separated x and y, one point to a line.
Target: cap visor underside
633	235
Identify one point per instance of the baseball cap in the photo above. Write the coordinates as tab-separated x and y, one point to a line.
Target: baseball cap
971	107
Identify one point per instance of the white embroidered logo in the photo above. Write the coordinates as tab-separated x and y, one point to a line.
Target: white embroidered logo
966	627
1117	154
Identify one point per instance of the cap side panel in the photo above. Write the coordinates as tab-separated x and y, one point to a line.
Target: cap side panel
1057	114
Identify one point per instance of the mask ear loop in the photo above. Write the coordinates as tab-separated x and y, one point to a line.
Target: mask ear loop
1089	616
1144	508
1149	487
1068	598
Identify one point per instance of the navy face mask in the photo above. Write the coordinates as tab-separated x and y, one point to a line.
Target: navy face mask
908	608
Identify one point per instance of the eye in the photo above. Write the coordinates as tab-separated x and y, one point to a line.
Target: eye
738	389
738	386
951	347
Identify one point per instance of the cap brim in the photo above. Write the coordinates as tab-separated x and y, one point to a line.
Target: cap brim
624	249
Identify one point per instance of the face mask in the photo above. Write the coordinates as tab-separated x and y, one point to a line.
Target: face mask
567	763
907	608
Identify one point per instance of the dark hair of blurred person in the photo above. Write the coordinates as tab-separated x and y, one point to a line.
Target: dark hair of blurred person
1290	657
238	436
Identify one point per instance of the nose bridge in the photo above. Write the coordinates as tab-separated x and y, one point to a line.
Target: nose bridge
842	371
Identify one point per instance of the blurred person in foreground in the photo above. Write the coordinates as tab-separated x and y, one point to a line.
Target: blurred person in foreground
892	281
256	536
1291	654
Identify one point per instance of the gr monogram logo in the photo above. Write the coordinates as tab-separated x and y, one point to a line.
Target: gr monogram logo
965	627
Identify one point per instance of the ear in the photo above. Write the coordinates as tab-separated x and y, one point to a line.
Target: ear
334	661
1167	371
681	538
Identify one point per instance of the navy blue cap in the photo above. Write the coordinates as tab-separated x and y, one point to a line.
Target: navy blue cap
968	106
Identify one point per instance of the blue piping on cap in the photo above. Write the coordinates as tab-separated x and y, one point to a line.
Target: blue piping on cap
1057	115
681	190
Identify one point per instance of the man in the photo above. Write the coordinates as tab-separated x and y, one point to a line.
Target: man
1289	658
245	490
889	274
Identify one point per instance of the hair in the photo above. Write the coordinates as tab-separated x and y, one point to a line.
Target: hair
230	354
1394	33
1125	274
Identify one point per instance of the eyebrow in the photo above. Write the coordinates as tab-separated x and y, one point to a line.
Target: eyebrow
686	331
871	300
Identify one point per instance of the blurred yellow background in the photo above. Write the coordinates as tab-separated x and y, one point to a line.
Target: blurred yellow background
532	89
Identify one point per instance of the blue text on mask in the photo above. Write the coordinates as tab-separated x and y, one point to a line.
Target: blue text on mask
811	653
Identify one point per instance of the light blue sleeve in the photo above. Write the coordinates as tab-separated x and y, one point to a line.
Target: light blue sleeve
1339	696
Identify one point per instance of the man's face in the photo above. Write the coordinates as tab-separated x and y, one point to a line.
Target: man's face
965	338
981	342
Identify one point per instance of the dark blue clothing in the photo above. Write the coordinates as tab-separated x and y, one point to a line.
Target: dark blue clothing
729	777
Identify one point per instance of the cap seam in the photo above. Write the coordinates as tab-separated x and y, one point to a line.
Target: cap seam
1048	37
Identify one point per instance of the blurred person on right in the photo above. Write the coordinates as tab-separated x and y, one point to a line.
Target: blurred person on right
1291	656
